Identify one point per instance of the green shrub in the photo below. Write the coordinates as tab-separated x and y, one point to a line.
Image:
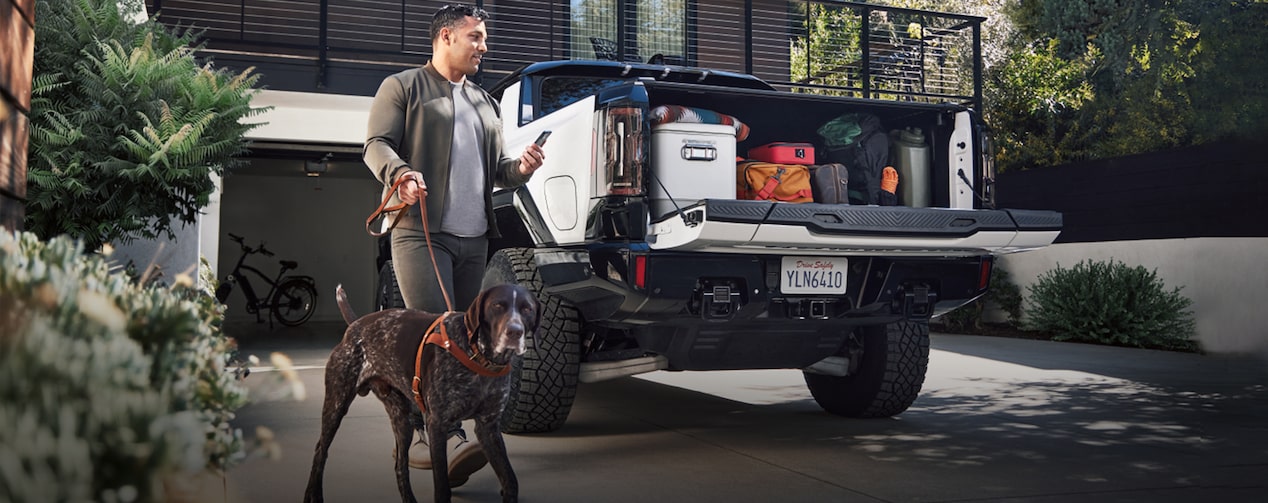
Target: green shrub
1110	303
125	123
108	390
1003	293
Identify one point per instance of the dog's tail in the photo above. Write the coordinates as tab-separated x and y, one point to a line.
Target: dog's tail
344	308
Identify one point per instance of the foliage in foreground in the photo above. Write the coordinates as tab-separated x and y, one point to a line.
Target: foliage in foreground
109	391
1110	303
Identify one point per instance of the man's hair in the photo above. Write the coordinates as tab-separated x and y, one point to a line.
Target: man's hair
452	16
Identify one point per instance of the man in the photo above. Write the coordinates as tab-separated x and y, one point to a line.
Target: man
442	133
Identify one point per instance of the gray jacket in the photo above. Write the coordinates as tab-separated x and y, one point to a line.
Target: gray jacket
420	101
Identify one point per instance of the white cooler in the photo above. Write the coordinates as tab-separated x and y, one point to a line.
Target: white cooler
691	162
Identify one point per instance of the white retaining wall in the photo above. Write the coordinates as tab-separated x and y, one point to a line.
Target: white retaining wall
1226	278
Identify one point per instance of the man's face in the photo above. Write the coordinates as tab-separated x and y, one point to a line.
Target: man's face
465	45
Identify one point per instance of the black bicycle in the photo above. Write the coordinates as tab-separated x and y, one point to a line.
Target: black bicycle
291	299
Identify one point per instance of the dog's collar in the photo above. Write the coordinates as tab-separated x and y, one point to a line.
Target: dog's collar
476	361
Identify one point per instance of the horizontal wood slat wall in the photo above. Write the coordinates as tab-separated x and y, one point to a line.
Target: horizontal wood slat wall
366	40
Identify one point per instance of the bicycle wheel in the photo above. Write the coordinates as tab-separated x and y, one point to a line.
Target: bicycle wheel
294	302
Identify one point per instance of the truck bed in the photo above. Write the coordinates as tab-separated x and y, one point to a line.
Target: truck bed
782	116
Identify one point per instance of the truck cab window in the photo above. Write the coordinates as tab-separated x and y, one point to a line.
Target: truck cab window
559	92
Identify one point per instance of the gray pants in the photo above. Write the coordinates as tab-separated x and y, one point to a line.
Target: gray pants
461	262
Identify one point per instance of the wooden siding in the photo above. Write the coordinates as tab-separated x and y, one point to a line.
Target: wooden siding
17	51
366	40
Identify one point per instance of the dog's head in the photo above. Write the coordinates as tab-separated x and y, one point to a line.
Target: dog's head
500	320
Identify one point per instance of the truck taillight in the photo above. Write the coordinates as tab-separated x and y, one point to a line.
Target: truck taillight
640	271
624	146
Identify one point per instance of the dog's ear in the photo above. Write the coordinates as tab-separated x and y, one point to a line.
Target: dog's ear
475	312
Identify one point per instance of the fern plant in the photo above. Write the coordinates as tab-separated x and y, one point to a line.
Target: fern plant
126	127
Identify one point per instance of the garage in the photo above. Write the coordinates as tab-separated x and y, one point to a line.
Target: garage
305	194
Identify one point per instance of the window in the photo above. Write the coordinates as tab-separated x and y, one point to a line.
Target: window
559	92
631	30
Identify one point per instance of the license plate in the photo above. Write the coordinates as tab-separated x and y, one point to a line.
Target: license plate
812	275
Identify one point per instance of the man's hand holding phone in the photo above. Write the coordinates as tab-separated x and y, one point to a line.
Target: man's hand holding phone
533	155
541	138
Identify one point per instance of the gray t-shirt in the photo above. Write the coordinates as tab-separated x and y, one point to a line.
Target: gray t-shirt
464	205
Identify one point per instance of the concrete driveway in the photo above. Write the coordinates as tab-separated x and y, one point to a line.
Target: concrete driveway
998	420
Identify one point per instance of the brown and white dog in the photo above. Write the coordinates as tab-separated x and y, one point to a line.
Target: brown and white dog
378	353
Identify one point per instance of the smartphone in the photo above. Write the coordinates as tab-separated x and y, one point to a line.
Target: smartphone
541	139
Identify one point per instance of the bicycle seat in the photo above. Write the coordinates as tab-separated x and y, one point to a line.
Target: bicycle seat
288	264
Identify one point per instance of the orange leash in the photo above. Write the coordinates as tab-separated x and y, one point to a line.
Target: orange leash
400	209
436	333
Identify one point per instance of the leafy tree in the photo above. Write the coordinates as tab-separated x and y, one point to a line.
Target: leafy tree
126	128
1150	75
1227	89
1033	105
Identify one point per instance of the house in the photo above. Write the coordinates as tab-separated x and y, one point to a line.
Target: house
306	192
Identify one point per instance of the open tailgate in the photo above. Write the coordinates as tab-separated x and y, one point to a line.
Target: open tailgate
742	226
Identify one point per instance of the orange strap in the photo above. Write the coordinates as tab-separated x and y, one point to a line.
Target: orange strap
771	182
384	209
400	209
768	190
437	335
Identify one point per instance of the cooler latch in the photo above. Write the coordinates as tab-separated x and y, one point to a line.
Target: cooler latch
699	152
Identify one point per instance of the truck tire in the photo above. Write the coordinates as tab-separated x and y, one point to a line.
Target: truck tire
890	372
544	380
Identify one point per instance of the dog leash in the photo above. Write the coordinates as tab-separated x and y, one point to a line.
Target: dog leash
438	336
400	209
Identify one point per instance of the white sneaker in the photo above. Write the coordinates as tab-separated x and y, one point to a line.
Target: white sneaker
420	454
465	458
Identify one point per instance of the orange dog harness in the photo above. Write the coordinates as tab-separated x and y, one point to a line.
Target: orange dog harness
437	335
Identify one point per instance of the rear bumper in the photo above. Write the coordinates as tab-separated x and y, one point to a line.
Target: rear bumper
712	311
738	226
704	290
620	286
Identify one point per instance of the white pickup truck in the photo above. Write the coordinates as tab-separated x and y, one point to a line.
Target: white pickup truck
633	239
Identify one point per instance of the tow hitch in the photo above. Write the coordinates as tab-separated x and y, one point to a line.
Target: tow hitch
817	309
918	301
718	299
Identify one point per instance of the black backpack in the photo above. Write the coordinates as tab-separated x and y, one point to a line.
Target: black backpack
864	154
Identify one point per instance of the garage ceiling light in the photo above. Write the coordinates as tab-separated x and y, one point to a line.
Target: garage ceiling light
317	168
